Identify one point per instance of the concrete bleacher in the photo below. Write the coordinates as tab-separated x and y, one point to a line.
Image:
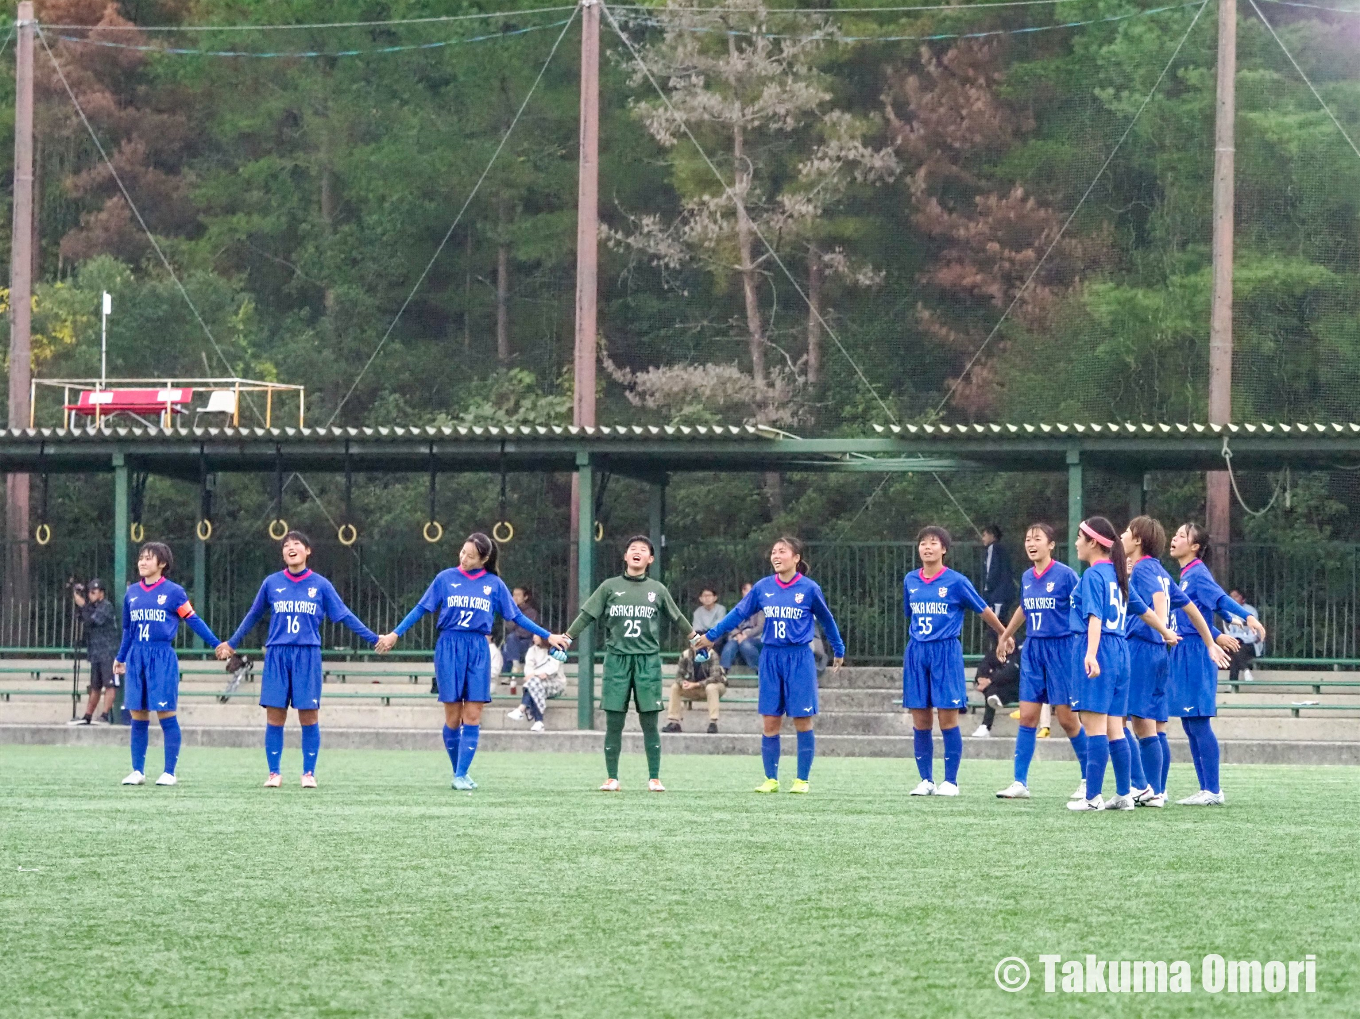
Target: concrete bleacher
1283	715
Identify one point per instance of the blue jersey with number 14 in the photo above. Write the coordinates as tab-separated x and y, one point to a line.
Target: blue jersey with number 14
152	614
469	602
934	605
1047	600
1098	594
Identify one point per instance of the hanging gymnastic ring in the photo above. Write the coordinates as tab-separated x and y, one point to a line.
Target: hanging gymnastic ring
433	531
278	528
43	534
347	535
137	532
503	532
204	529
599	531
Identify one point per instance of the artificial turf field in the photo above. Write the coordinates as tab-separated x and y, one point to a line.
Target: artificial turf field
384	893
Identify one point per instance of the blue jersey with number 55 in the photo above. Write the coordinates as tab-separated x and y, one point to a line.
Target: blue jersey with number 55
934	605
1047	600
1098	595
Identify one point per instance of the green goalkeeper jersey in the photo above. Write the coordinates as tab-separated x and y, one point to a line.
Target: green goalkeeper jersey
629	611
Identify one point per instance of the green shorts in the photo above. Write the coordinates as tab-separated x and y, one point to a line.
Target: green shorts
635	676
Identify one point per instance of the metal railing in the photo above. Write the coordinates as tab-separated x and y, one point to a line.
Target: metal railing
1309	600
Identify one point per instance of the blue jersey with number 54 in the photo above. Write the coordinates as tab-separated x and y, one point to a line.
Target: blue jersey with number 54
1098	595
934	605
1047	600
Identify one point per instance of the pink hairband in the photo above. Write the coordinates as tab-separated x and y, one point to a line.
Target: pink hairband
1099	539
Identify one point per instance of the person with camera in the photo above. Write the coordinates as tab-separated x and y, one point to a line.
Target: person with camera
102	635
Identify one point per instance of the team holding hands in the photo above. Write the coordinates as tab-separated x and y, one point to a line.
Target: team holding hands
1083	654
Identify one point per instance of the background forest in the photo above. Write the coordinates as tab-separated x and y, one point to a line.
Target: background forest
911	171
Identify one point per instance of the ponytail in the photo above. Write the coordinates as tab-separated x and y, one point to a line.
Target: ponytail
1103	527
796	547
486	548
1198	535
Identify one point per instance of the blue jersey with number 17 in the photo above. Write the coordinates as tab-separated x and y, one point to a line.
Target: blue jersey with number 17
1098	594
1047	600
934	605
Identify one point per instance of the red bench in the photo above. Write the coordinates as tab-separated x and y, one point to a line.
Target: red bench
97	404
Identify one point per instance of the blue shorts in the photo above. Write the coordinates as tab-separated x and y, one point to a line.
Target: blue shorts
152	680
932	675
788	681
1192	682
292	677
1108	693
1148	669
462	667
1046	665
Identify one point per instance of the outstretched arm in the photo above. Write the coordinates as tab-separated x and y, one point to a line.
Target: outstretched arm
252	617
743	610
337	611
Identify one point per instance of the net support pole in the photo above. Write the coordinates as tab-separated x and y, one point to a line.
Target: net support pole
656	525
585	584
1136	496
1218	498
1075	514
200	585
120	554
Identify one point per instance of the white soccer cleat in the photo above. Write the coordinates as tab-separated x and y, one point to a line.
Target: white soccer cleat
1124	802
167	779
517	715
1141	796
1215	799
274	781
1080	794
947	789
611	785
309	781
1200	799
538	727
982	732
654	786
1079	805
136	778
1155	800
926	788
1015	791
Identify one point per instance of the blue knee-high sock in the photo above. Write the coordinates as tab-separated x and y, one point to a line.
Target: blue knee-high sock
1079	748
467	747
1192	734
807	749
1150	751
170	732
273	748
1208	751
953	753
451	745
1166	759
141	735
1024	752
311	746
1137	776
1097	757
924	743
1120	759
769	755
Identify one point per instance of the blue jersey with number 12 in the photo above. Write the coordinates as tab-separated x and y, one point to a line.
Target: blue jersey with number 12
468	602
1047	600
1098	594
934	605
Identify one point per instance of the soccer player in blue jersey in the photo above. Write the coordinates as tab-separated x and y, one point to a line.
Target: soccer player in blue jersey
791	601
1049	658
467	600
933	600
152	610
1193	679
1144	542
298	601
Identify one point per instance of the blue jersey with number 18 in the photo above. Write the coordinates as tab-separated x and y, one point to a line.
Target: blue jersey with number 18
934	605
1047	600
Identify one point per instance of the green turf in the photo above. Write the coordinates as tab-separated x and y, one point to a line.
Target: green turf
386	894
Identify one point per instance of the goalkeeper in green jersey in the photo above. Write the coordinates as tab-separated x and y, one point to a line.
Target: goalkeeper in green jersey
628	608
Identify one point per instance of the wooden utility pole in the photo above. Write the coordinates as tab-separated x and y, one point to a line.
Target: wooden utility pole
20	308
1218	497
587	253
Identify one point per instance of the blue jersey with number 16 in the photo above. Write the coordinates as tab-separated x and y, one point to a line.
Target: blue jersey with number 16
1047	600
934	605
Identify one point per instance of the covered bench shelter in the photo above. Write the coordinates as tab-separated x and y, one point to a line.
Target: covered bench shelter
651	454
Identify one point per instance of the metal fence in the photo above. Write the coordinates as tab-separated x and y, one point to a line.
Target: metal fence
1309	601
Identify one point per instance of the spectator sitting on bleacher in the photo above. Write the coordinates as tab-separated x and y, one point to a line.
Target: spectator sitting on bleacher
542	679
694	681
517	638
1252	646
709	614
746	640
999	683
102	636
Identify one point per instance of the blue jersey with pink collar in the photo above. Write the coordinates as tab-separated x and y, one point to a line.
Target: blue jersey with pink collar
1098	594
298	603
470	603
934	605
1201	588
1047	600
152	614
790	610
1148	577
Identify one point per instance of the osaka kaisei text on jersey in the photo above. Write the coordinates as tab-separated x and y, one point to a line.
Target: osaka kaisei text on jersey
616	610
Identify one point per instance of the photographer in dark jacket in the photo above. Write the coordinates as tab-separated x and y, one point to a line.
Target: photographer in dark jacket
102	636
998	587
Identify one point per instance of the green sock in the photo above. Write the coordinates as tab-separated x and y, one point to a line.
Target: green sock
651	741
613	740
